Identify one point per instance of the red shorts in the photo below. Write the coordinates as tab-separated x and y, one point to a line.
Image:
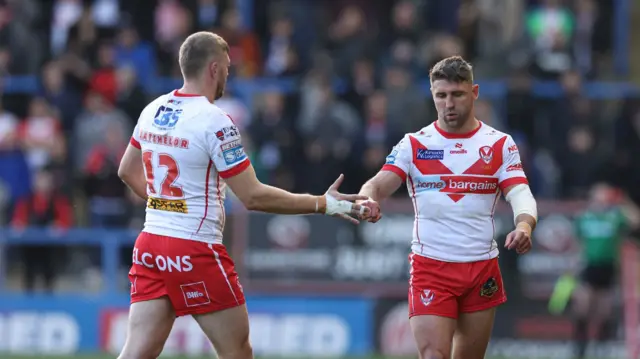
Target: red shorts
197	277
446	289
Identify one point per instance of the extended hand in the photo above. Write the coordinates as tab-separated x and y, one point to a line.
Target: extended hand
342	205
374	207
520	239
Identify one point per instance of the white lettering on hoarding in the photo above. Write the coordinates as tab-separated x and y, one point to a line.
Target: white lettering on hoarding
28	332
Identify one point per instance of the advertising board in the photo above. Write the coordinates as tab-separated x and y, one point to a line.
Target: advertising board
279	326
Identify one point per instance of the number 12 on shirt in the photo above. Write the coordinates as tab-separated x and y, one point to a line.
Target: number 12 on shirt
168	186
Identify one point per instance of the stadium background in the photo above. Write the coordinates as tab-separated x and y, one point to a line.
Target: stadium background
319	87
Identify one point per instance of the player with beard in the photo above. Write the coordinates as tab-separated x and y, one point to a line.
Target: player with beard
455	170
183	153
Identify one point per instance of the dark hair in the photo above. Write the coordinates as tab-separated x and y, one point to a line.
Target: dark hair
453	69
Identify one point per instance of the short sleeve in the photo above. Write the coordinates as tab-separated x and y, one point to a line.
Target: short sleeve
399	160
135	138
226	150
511	172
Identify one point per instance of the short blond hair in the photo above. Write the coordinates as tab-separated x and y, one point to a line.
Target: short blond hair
197	50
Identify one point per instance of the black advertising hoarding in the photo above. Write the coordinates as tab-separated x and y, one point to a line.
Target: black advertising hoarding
299	249
307	250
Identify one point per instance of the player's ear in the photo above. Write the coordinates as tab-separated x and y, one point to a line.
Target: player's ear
476	91
213	69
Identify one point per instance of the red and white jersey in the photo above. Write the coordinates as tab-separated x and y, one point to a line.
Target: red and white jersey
189	146
455	182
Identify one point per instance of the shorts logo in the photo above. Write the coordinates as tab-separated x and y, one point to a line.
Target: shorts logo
176	205
425	154
426	297
489	288
486	154
195	294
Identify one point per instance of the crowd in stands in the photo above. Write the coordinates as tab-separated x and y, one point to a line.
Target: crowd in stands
359	70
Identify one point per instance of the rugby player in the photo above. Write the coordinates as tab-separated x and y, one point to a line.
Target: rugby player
601	228
455	170
183	153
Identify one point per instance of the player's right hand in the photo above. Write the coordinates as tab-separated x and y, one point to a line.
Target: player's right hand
374	207
342	205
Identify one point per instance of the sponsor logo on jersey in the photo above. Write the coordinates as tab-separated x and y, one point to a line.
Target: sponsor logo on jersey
227	132
516	167
459	150
233	152
169	205
457	184
486	153
513	149
489	288
425	154
166	118
391	159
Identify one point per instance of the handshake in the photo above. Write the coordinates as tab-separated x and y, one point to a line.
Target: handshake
351	207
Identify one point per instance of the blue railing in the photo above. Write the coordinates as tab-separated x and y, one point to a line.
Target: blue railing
109	242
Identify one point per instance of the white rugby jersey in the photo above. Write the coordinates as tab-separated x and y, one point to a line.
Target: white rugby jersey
189	146
454	182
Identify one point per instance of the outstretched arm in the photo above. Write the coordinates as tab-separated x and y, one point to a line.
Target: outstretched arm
258	196
378	188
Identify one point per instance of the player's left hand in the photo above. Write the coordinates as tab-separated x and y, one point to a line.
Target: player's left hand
520	240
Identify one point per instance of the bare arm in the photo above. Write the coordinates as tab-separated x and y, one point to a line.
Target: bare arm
257	196
131	171
381	186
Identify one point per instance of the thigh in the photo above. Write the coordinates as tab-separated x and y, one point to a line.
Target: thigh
434	287
472	334
486	289
206	280
150	323
433	335
146	281
228	331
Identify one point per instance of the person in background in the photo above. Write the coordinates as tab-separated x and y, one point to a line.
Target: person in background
600	229
45	208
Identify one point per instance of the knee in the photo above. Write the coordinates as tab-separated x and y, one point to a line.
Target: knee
243	351
431	353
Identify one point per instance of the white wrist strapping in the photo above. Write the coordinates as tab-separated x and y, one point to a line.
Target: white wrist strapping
335	206
522	201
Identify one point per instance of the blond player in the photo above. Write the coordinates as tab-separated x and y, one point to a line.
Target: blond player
183	153
455	170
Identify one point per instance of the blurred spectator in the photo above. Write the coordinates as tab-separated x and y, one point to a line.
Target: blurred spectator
281	54
92	125
348	39
104	189
130	51
244	49
45	208
103	79
551	27
64	101
65	14
208	13
41	135
406	104
130	97
362	83
273	136
173	23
